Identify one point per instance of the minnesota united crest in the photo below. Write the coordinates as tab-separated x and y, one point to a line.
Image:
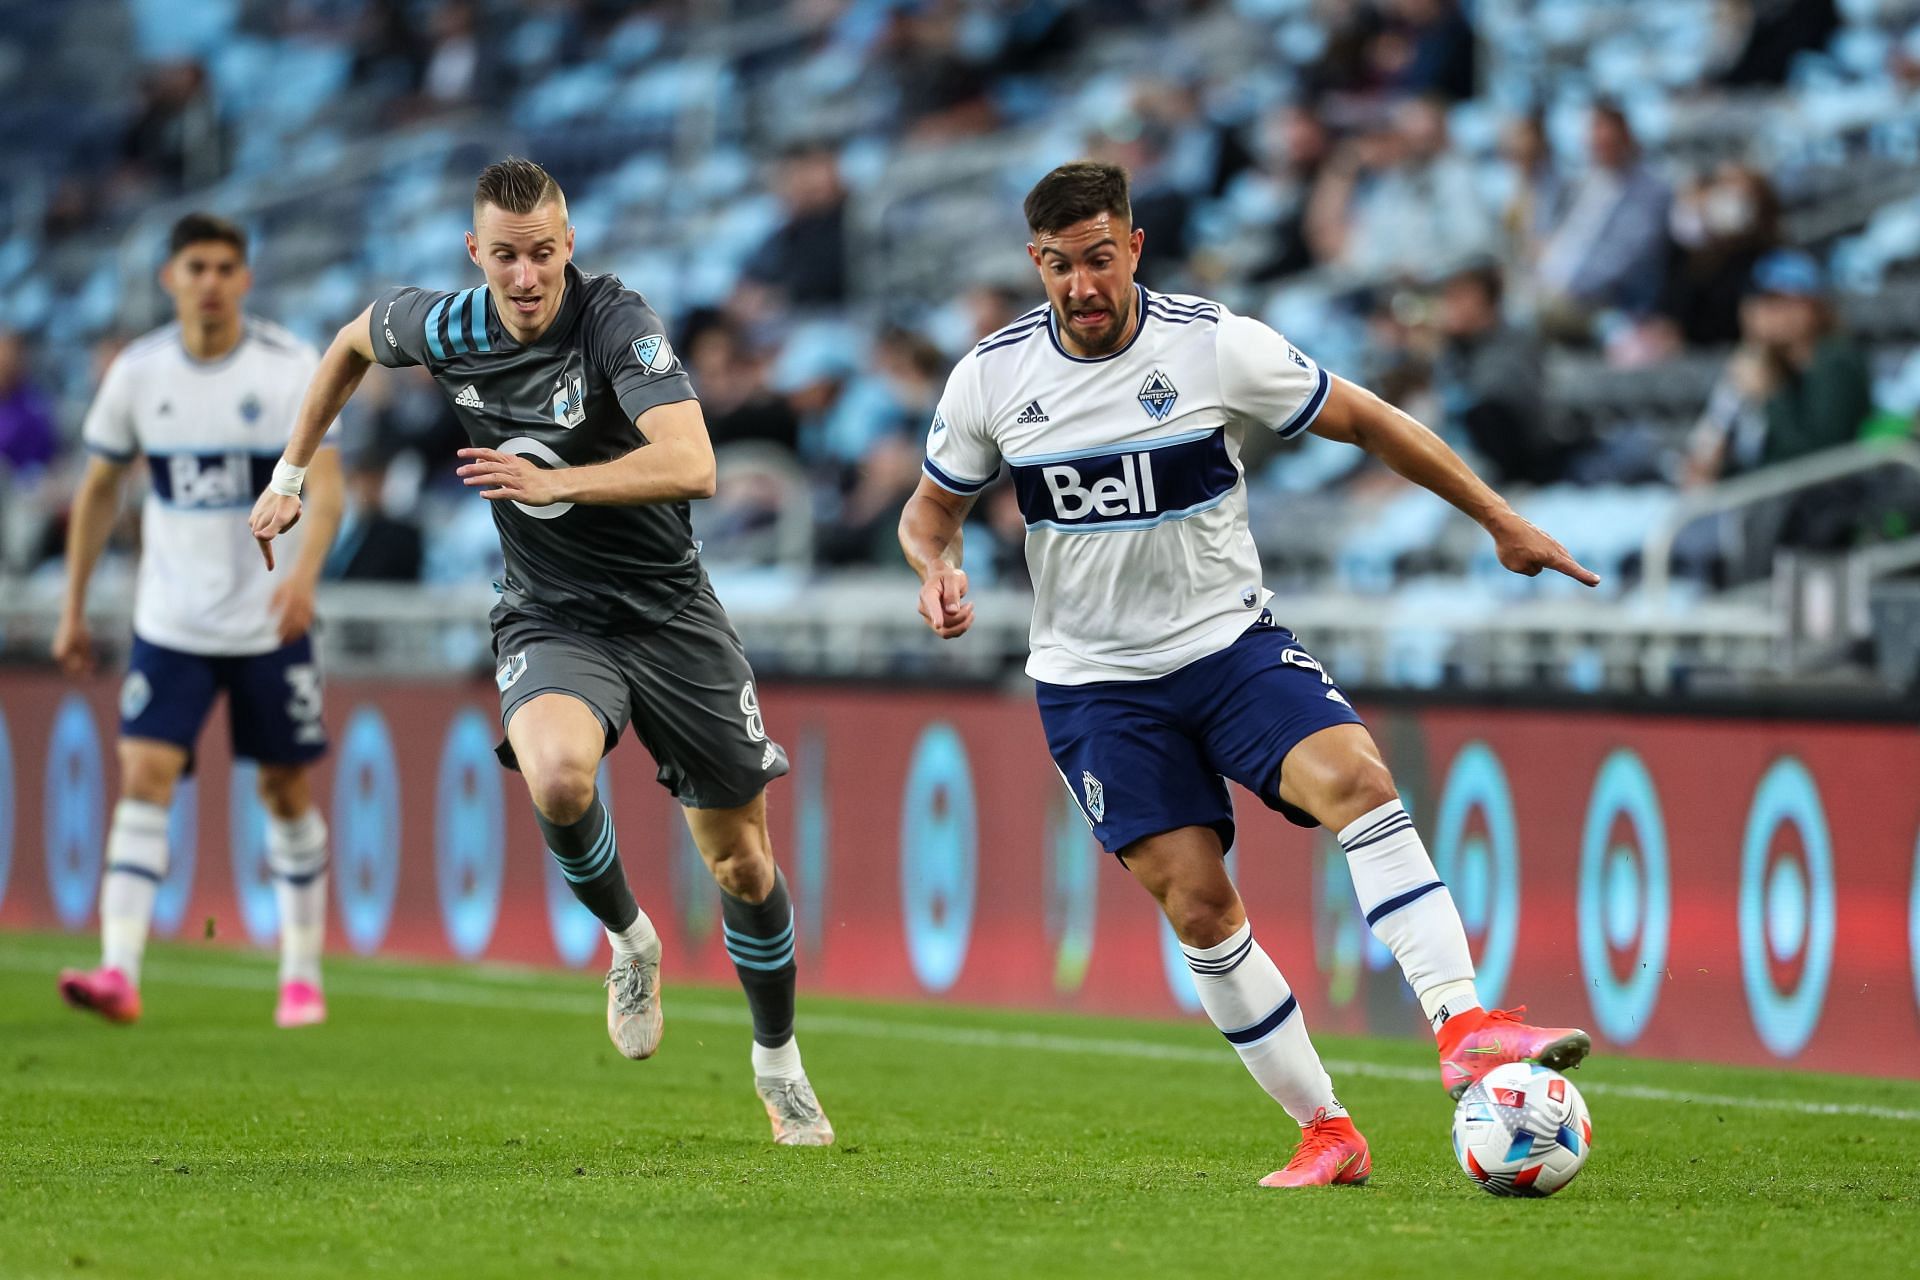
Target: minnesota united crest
1157	396
1096	796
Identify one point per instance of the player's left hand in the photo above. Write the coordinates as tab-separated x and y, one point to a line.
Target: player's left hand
506	477
293	605
1525	548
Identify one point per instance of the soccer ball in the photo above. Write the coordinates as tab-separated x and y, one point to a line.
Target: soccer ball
1522	1130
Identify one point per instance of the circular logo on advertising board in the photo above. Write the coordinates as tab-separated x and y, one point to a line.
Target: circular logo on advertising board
1476	850
366	829
1786	907
938	857
71	800
1625	904
469	854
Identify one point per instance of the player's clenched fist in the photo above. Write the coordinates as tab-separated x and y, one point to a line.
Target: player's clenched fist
273	515
943	601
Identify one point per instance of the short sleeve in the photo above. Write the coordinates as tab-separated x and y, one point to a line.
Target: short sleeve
399	325
1268	379
108	430
962	456
628	342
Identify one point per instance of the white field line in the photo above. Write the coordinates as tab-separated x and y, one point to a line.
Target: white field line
510	989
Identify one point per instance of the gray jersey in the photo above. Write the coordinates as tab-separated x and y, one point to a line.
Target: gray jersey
567	400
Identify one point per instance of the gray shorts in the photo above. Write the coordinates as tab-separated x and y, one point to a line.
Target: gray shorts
685	687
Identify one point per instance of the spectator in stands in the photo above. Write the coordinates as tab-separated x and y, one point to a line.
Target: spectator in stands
1159	208
27	437
389	51
1722	227
455	68
1426	49
1797	384
1395	202
863	530
1490	378
732	381
374	544
941	93
1535	194
177	139
1608	245
805	259
1294	148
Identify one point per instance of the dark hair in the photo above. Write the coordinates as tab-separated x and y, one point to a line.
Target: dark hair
1075	192
205	228
1485	275
515	185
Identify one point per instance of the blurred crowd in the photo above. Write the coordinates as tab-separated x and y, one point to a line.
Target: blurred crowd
1336	202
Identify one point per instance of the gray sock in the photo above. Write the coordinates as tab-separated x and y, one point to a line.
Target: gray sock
760	939
589	856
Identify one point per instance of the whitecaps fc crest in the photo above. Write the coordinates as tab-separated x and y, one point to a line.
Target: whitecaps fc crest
1157	395
1096	796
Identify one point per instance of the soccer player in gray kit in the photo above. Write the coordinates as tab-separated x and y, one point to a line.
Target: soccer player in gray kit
589	441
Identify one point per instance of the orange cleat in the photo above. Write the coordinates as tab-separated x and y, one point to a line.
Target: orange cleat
1331	1154
1474	1043
105	991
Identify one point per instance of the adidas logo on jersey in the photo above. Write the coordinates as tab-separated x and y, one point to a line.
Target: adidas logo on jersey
1031	414
469	398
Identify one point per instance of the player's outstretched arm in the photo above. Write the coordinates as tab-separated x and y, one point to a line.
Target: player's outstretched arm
1354	415
323	498
674	464
95	505
345	363
930	535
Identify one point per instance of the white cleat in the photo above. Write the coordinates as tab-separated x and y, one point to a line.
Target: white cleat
797	1118
634	1018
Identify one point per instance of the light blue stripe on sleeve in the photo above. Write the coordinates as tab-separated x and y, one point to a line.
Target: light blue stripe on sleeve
477	321
433	329
457	324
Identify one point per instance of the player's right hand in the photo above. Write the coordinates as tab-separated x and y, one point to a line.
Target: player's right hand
273	515
943	601
73	646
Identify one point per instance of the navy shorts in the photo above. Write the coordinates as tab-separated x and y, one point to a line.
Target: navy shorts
273	700
1146	756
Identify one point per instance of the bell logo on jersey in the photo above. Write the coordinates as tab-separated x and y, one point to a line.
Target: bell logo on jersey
205	479
1128	494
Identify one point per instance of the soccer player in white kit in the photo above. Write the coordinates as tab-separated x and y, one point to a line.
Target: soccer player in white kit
1159	671
208	401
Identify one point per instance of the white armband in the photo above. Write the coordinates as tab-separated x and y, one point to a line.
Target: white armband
287	479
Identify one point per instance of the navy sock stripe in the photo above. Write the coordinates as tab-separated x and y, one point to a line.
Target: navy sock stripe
1267	1025
301	877
1400	900
1395	816
1388	834
735	938
134	869
1223	964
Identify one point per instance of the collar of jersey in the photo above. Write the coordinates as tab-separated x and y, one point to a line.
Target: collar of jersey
1139	310
569	304
218	362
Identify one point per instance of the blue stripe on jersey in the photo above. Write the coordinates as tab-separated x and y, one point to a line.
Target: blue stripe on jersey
1133	487
477	321
217	480
1030	320
1100	450
1170	317
1013	341
457	323
1309	409
952	483
111	455
434	345
1185	308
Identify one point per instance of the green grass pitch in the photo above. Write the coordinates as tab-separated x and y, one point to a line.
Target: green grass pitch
472	1122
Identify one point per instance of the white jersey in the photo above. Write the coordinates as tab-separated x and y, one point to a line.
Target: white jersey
1127	470
211	432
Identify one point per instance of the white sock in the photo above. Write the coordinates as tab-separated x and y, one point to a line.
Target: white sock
136	863
782	1063
635	939
1242	991
297	855
1410	910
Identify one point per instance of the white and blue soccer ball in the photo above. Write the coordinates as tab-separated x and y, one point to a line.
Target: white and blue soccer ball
1522	1130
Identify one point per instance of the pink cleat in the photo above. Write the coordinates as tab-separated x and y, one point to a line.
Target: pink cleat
301	1005
105	991
1474	1043
1331	1154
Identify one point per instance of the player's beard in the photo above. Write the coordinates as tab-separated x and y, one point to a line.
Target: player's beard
1108	339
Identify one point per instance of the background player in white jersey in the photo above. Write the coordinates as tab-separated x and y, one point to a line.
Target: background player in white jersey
208	401
1159	671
